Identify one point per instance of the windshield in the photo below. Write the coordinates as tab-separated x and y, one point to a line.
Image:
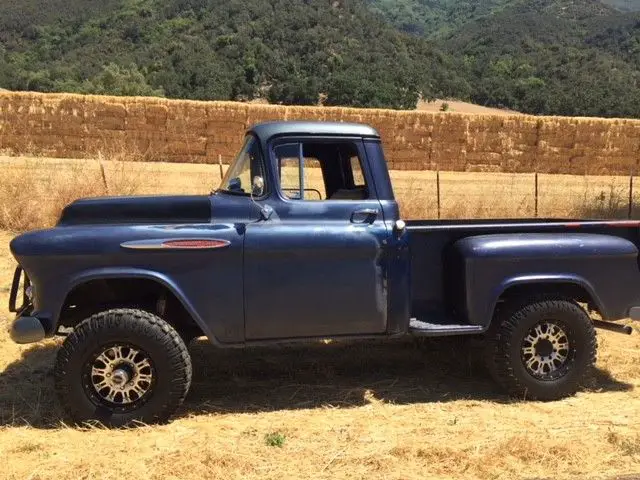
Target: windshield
246	166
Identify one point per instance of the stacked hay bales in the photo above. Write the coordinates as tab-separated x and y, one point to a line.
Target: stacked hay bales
62	125
501	144
588	146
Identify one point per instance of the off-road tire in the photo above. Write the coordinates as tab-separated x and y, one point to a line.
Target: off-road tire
505	338
158	339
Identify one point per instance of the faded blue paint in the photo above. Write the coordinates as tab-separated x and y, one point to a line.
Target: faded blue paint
311	270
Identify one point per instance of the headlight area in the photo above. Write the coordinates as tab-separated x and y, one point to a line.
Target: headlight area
20	287
24	328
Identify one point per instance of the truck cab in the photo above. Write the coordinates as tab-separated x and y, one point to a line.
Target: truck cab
318	241
303	241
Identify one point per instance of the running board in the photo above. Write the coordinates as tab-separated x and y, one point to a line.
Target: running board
425	329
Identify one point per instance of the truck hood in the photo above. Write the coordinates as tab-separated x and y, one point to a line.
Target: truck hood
137	210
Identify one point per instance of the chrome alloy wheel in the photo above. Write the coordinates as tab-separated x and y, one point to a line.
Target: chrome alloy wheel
121	375
546	351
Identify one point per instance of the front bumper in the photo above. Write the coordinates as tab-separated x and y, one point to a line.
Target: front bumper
26	329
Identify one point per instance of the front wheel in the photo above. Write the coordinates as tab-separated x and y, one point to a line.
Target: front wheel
122	366
542	349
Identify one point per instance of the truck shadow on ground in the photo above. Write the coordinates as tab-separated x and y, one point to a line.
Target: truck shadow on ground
296	377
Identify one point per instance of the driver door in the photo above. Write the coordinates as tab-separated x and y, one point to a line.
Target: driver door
317	267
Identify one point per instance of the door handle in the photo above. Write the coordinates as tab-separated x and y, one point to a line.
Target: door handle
364	215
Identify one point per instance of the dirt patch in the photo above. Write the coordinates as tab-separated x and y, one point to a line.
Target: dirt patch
461	107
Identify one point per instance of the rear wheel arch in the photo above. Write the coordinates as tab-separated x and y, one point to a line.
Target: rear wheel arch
575	289
96	294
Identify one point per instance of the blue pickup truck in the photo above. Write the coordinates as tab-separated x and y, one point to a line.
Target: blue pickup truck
303	241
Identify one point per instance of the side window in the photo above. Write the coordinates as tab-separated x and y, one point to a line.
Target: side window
300	175
314	170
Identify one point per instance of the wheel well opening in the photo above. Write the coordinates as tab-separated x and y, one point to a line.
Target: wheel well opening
573	291
98	295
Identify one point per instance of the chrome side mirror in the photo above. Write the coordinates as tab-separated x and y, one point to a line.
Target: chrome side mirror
257	188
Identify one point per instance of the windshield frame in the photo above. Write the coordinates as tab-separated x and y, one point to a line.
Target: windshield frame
251	141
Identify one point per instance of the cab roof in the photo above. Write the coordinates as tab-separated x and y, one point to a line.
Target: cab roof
267	130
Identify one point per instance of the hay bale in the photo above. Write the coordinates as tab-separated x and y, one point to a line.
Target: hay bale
483	158
105	141
413	140
264	113
136	116
187	117
559	133
156	114
15	143
218	127
488	142
13	123
186	145
227	112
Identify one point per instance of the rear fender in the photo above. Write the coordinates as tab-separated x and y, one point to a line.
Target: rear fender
545	284
600	269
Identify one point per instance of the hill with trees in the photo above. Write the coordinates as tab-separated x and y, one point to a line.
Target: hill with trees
550	57
435	18
285	51
537	56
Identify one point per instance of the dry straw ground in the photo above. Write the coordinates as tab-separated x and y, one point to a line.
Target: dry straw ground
380	410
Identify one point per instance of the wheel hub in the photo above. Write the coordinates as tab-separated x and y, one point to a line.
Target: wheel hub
545	350
121	375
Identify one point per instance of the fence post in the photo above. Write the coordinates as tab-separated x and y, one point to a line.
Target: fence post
104	175
438	190
630	213
536	194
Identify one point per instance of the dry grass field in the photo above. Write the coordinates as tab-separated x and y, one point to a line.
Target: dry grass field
33	190
398	410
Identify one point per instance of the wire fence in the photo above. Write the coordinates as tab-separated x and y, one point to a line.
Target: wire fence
421	194
511	195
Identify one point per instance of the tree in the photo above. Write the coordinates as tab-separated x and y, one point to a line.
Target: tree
117	80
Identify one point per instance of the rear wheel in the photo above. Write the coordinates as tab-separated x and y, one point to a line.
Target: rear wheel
542	348
122	366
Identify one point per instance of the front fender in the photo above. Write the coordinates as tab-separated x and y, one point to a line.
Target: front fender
83	277
207	281
486	266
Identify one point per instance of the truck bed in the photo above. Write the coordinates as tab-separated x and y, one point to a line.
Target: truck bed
518	224
429	242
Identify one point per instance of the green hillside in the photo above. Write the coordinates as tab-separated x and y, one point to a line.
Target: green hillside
539	56
286	51
549	57
434	18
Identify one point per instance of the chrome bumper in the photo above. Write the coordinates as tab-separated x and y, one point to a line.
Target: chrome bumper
26	330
